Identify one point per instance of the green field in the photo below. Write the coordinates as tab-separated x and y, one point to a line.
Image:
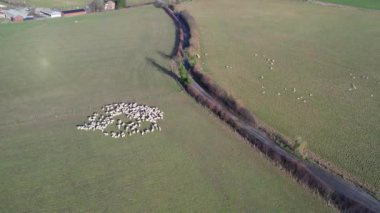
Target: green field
56	72
61	4
131	2
317	50
369	4
68	4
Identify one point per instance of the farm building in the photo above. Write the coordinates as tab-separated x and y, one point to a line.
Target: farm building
18	15
17	19
109	5
50	13
77	12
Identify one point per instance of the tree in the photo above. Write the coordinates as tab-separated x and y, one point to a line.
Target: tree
97	5
160	3
121	4
183	74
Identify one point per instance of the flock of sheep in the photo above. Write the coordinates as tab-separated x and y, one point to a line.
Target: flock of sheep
136	113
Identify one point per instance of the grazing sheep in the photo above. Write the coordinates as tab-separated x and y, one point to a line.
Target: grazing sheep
137	113
353	86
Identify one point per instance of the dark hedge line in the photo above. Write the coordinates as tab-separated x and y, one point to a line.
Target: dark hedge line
219	93
302	171
204	80
192	28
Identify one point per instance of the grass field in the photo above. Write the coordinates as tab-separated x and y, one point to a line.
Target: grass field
62	4
317	50
56	72
131	2
369	4
67	3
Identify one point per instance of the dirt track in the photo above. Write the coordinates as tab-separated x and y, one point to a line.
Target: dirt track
343	194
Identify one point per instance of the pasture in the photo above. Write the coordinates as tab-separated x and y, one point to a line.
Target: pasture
54	73
62	4
309	71
132	2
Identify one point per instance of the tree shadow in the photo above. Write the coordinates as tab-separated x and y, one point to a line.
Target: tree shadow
164	70
176	44
164	55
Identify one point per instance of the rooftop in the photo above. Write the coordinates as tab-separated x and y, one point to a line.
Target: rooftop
23	12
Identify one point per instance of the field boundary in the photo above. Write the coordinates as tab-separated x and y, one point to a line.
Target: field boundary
335	189
330	4
140	4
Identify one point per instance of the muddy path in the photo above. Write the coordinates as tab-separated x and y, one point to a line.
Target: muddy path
345	195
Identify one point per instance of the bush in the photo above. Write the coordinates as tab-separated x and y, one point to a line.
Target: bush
121	4
160	3
183	74
97	6
192	59
300	147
